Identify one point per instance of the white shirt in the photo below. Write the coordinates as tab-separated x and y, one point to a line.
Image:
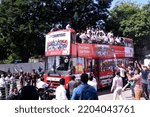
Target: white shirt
93	84
2	83
118	40
105	39
7	80
12	79
122	72
61	93
117	83
110	34
41	84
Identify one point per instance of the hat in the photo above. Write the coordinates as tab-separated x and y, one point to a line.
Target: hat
122	65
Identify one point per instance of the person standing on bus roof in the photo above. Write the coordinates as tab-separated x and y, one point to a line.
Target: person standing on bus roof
84	91
117	86
61	91
68	26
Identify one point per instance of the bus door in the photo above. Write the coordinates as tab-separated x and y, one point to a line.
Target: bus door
89	65
107	67
77	66
96	70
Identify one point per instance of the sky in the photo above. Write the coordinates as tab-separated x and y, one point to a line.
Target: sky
136	1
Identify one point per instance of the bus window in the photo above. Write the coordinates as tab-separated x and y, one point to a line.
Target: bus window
58	63
78	65
63	63
51	65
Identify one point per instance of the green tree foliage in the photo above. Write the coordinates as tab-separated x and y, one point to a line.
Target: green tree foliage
24	23
133	21
120	13
137	26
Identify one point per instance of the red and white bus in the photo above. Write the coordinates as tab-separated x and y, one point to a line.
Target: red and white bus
65	57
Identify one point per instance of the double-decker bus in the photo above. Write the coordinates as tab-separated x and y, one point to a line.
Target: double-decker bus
66	57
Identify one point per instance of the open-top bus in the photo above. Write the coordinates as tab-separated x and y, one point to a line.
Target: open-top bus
66	57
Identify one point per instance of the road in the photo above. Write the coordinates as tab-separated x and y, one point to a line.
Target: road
105	94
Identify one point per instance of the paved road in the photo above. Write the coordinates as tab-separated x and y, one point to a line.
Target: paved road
105	94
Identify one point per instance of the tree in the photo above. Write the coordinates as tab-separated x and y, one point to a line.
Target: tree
133	21
137	26
22	27
80	13
24	23
118	14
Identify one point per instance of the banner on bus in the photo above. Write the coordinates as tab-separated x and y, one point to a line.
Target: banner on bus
129	52
104	51
58	43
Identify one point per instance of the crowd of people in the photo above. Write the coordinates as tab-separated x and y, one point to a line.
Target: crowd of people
32	85
11	83
83	90
138	78
97	35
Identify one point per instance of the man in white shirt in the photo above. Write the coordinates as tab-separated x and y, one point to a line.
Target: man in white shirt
117	86
41	84
7	81
61	91
92	82
13	81
122	74
2	87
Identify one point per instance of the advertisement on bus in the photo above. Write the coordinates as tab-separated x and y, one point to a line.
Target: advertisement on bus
104	51
57	43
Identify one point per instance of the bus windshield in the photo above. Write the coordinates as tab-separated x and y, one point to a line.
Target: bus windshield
58	65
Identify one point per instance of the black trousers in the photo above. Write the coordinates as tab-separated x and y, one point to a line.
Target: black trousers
124	80
8	89
145	91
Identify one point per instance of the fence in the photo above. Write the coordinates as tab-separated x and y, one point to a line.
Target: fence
6	91
26	67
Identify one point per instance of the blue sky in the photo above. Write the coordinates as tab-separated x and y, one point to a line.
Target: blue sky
136	1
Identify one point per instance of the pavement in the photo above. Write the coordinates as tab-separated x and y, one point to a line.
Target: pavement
105	94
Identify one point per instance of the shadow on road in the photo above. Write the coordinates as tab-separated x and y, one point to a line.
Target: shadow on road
104	91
